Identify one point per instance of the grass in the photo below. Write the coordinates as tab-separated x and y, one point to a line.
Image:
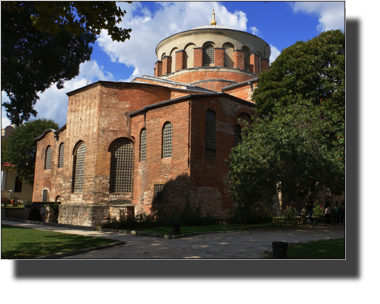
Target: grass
24	243
329	249
214	228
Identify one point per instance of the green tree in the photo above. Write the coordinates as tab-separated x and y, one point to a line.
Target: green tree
20	147
297	147
45	42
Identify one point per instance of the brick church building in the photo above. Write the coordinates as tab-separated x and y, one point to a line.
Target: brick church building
158	140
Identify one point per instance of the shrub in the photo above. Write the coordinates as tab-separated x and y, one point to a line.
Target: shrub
244	216
318	211
289	214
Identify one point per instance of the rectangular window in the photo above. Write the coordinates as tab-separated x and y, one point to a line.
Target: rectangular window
158	194
210	140
44	195
18	185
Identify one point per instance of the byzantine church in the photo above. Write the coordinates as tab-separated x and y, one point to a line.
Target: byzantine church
158	141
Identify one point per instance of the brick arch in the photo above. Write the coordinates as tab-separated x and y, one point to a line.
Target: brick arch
115	141
77	145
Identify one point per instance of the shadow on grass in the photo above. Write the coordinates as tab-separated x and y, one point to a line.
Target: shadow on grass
23	243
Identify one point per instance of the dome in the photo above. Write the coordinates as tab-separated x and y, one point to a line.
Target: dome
212	27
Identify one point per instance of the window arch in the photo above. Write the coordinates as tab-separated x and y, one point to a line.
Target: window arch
61	153
79	162
48	158
58	199
163	56
122	167
228	55
189	56
208	55
167	136
237	135
210	136
172	54
143	138
247	55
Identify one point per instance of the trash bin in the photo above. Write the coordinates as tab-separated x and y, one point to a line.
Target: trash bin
280	250
176	227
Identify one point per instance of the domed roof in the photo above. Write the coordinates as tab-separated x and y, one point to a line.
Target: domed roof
212	27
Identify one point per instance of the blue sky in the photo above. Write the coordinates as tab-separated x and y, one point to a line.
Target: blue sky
280	24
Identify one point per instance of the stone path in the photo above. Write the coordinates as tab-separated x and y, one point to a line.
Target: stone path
228	245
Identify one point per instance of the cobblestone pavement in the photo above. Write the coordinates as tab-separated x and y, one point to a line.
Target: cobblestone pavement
227	245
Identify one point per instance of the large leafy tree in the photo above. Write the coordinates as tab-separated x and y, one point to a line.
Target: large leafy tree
297	146
45	42
20	149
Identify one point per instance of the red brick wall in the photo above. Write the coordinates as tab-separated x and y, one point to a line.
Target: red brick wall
243	91
219	57
214	85
265	64
158	69
179	60
198	57
194	76
239	60
166	65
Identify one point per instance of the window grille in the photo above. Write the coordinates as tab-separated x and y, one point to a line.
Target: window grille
122	167
167	140
44	195
158	194
48	158
79	168
143	145
61	153
237	135
210	134
208	55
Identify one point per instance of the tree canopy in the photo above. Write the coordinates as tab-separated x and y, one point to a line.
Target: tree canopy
20	149
297	146
45	42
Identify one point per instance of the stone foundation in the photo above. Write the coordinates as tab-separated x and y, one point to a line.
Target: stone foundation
83	215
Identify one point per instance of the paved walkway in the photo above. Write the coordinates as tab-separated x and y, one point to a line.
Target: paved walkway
227	245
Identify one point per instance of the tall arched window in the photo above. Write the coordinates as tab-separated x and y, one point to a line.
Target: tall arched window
143	136
48	158
172	54
189	56
237	135
228	55
61	153
79	160
208	55
167	136
247	59
122	167
210	138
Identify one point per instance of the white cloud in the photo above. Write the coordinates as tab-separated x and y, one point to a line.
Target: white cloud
255	31
53	102
331	14
274	53
170	18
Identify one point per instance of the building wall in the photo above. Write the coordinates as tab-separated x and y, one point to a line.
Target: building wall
243	91
9	184
208	176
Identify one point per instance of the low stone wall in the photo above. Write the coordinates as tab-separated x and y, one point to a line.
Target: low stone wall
83	215
12	213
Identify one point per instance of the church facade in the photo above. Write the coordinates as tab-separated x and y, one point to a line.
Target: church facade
157	141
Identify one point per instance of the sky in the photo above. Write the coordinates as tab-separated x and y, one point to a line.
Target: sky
280	24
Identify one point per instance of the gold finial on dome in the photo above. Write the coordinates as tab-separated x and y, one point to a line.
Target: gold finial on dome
213	21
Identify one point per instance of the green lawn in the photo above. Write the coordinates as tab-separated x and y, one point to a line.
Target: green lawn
23	243
329	249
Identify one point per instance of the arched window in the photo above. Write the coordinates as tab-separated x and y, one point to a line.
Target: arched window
167	136
189	56
163	56
210	138
172	54
237	135
44	195
208	55
143	136
228	55
247	55
122	167
61	153
48	158
79	159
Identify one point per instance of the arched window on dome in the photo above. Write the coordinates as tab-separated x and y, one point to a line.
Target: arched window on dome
189	56
228	55
172	55
208	55
247	55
